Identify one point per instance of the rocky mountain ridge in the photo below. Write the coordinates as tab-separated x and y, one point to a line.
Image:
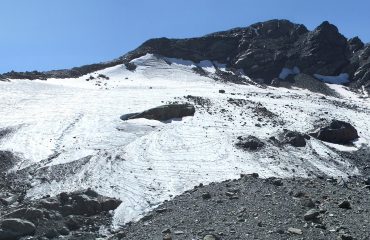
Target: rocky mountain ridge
261	50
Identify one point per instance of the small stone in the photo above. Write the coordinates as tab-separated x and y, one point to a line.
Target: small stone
311	215
299	194
52	233
255	175
161	210
277	182
229	194
64	231
233	197
295	231
206	195
167	237
346	237
72	224
167	230
345	204
179	232
221	91
367	181
307	202
147	217
209	237
320	226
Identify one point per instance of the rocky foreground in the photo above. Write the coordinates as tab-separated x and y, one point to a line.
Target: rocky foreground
245	208
77	215
255	208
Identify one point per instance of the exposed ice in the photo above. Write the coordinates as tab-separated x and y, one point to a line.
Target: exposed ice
285	72
340	79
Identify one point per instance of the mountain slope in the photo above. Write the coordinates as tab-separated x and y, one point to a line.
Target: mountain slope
68	135
268	99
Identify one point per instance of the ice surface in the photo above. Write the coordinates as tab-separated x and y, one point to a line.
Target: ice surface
340	79
285	72
144	162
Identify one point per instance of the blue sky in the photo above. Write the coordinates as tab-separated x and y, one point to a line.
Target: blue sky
48	34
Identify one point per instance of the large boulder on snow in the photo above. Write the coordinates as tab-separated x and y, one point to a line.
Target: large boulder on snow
164	112
336	132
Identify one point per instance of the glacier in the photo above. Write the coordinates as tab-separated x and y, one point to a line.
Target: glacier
143	162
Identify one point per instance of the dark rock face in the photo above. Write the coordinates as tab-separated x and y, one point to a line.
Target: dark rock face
355	44
337	132
163	113
261	50
360	66
323	51
250	143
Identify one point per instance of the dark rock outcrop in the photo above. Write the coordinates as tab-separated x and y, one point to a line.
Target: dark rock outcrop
336	132
360	66
264	48
355	44
83	211
164	112
323	51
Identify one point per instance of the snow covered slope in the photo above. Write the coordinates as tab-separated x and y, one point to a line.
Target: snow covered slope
70	133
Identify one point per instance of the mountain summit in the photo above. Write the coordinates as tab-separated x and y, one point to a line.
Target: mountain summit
261	50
